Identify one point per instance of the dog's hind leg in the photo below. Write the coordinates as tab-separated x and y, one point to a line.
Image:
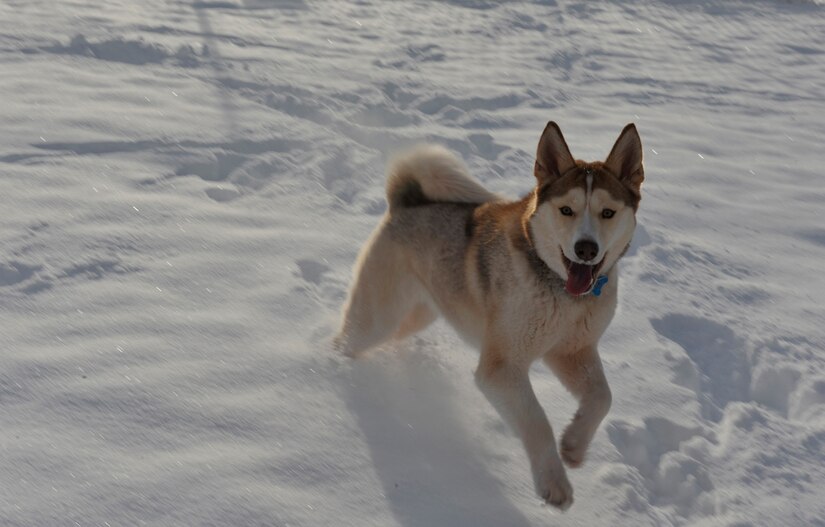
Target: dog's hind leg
384	292
418	318
581	373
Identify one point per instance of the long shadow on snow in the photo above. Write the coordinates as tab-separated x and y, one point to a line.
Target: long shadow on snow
427	464
225	98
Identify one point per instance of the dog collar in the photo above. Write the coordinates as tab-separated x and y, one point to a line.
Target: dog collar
597	287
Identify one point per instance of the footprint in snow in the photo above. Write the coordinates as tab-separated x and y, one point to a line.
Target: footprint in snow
663	466
721	369
717	366
312	271
319	283
13	273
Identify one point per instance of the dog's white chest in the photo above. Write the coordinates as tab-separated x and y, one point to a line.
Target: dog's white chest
566	325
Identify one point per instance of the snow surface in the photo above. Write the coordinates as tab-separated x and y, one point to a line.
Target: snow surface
185	186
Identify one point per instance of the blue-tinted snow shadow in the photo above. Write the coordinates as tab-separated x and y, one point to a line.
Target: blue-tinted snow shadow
430	471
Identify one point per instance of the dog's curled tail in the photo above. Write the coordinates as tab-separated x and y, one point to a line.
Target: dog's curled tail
432	174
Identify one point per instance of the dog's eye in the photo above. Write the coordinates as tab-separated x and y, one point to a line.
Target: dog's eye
566	211
608	213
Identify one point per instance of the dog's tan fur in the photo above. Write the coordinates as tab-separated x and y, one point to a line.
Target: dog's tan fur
496	271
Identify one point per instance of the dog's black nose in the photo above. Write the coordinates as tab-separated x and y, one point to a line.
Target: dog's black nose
586	250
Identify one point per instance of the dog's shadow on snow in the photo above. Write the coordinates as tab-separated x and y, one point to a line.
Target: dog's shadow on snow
431	473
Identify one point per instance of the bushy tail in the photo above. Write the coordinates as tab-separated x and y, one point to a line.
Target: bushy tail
431	174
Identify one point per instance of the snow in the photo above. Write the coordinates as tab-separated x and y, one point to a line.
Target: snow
185	186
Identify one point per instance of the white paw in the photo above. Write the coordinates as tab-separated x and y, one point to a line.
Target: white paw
573	446
553	487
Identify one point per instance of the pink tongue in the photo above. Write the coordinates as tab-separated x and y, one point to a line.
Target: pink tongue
579	278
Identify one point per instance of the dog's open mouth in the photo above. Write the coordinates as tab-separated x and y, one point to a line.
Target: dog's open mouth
580	277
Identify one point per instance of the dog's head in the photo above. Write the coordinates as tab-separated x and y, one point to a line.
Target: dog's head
585	213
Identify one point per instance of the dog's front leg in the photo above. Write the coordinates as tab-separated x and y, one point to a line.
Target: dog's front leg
507	387
581	372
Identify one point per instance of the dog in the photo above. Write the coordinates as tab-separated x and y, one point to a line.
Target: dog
521	280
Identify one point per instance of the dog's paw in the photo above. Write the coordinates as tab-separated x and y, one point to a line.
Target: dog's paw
555	489
573	447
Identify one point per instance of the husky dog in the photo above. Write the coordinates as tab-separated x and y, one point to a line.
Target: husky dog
521	280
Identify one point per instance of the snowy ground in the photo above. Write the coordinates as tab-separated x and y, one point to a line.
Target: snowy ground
184	187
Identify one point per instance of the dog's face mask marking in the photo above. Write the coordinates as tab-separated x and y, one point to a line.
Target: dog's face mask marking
584	214
582	234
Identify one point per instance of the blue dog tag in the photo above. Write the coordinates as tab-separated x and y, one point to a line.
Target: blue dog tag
597	287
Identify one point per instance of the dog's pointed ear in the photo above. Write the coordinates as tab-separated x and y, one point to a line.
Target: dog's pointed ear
553	158
625	159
